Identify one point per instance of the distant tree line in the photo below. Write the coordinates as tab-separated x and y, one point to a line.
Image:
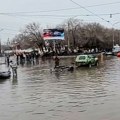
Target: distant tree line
77	34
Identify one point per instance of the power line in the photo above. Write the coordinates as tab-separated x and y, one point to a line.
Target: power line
89	11
7	29
64	9
54	15
98	5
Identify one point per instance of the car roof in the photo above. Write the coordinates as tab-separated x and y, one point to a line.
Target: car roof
82	55
86	55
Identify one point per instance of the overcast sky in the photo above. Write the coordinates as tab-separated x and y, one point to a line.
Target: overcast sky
15	14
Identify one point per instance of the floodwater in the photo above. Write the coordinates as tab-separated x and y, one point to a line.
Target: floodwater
84	94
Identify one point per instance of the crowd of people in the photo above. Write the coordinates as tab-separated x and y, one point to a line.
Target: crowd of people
21	57
33	56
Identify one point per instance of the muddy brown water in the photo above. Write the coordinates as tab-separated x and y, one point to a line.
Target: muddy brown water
84	94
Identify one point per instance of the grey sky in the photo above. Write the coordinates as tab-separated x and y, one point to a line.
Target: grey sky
22	12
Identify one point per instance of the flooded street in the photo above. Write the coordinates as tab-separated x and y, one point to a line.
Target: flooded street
84	94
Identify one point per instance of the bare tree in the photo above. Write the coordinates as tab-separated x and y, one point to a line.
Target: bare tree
77	34
33	32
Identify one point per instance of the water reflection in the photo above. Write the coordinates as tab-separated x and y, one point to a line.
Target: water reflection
86	94
2	81
57	74
15	80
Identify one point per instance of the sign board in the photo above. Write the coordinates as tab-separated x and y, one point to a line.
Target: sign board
53	34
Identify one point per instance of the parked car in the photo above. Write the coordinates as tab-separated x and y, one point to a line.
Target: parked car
116	49
86	60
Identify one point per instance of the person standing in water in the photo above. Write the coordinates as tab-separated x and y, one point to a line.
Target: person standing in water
8	59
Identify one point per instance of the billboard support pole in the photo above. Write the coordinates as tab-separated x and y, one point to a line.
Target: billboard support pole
54	46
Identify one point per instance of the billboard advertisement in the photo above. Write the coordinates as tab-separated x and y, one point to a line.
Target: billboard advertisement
53	34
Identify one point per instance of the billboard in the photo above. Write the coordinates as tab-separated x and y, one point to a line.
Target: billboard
53	34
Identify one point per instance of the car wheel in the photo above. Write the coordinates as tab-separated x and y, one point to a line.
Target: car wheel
97	63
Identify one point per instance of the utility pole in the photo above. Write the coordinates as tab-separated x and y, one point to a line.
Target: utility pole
0	42
113	32
0	46
68	35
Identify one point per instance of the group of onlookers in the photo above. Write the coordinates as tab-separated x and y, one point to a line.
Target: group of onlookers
21	57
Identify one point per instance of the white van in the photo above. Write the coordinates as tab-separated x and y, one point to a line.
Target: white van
116	49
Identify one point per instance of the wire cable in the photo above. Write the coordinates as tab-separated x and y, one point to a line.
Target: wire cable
57	10
89	11
54	15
